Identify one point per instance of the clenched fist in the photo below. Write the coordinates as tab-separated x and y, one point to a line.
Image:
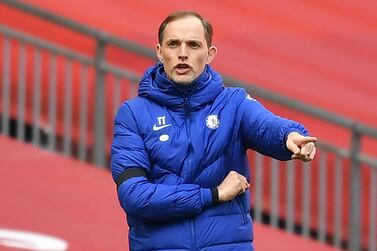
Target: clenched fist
233	185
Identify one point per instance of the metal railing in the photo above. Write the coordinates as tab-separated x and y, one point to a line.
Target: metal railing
98	61
32	91
32	98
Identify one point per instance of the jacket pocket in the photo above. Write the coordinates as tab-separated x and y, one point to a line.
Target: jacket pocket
243	211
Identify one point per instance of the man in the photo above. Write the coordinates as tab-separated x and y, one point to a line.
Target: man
179	149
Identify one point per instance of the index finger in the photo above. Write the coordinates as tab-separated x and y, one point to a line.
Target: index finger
308	139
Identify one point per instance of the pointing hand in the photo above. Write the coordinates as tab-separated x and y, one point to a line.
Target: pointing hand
302	147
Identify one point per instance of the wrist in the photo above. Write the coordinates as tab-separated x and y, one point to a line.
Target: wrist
215	196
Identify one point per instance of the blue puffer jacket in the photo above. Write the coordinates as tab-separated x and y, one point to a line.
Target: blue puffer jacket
186	139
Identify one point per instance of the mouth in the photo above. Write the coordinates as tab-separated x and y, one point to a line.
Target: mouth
182	68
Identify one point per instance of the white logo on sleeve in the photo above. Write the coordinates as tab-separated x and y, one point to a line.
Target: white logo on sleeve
30	241
161	124
212	122
250	98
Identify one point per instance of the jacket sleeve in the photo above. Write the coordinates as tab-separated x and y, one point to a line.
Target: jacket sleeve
265	132
139	197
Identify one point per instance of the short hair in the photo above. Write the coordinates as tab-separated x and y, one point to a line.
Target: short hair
208	30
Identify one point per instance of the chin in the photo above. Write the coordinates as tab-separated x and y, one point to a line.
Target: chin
183	81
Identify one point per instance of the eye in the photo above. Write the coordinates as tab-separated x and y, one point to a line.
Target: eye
173	44
194	45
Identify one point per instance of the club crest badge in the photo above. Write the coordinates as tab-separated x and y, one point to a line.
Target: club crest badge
212	122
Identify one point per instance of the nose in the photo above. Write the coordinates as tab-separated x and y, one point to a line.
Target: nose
182	53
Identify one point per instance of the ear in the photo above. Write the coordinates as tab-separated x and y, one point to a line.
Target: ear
212	51
159	52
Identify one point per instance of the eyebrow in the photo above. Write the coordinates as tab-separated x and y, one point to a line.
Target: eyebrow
180	40
172	40
194	41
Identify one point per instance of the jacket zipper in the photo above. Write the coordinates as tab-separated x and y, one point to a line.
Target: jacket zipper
190	150
188	132
188	129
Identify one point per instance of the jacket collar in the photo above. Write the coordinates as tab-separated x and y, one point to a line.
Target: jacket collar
158	88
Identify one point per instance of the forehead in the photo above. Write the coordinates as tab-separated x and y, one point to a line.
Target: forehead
185	28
